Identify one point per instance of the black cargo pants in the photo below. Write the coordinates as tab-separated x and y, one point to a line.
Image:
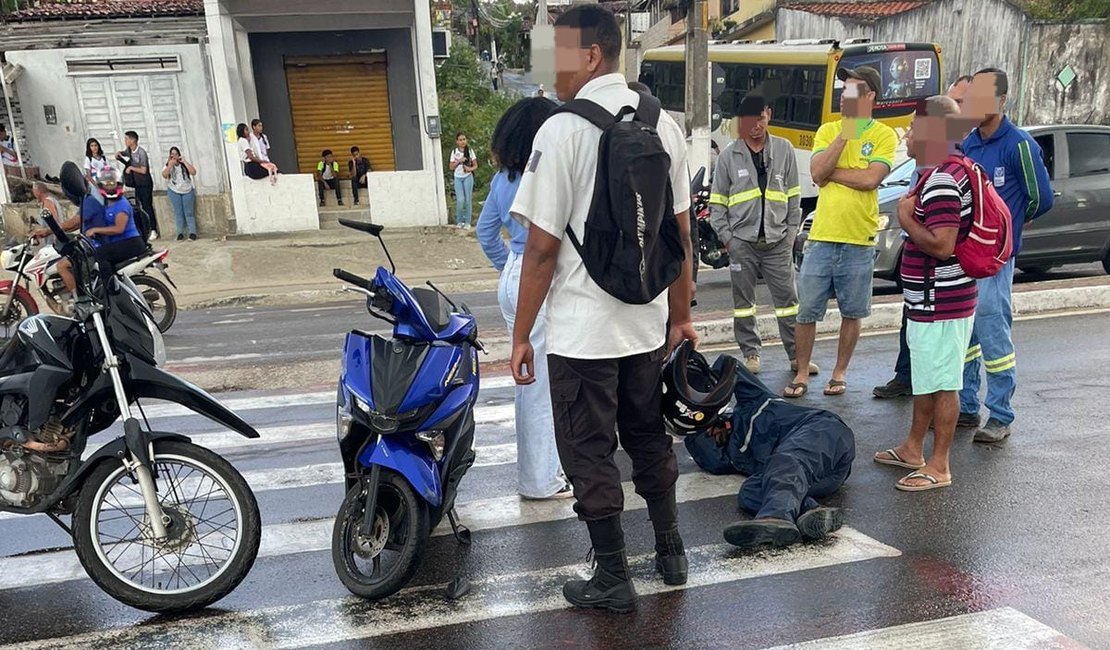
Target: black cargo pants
598	401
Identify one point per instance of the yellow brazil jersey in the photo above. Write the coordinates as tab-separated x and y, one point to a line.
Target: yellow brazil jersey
845	215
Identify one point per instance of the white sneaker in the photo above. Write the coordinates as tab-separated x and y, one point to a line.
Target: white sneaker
466	226
153	236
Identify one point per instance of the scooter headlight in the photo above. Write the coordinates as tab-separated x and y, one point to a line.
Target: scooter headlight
343	421
437	442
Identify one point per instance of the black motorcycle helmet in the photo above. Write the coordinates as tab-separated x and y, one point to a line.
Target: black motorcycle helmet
694	393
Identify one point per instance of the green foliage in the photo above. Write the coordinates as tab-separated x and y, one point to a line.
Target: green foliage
500	20
468	104
1066	10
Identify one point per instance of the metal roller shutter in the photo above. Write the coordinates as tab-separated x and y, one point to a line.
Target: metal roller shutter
338	102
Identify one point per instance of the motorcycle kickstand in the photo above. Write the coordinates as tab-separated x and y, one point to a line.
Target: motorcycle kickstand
460	586
462	533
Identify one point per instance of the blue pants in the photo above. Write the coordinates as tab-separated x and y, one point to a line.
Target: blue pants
992	347
464	199
902	372
184	209
813	461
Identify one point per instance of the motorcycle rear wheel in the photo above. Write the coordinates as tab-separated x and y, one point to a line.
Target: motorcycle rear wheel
400	534
111	530
161	301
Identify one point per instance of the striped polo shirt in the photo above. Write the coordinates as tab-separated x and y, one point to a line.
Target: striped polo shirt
938	290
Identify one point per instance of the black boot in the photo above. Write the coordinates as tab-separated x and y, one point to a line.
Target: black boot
670	554
611	585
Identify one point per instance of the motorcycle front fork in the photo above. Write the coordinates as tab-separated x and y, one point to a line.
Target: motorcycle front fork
139	459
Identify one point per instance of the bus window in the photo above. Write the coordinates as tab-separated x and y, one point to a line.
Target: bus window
908	75
796	92
667	81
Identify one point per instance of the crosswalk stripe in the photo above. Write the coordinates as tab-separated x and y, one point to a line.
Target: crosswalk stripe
237	404
307	476
315	534
346	619
502	414
990	630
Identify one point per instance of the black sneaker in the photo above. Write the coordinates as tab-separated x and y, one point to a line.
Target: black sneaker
754	533
819	522
968	421
892	389
181	238
340	201
192	237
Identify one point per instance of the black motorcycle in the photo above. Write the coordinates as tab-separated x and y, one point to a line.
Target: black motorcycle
711	251
159	523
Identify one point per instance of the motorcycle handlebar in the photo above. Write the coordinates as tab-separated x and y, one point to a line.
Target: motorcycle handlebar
351	278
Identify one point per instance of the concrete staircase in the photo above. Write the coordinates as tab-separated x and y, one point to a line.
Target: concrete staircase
331	212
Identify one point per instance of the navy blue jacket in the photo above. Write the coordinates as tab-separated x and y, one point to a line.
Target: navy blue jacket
760	421
1013	159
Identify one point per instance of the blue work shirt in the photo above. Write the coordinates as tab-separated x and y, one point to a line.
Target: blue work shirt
495	216
1013	160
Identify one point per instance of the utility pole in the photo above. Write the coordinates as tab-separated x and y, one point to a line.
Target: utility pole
697	84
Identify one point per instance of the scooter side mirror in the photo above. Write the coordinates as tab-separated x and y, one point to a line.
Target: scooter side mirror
73	183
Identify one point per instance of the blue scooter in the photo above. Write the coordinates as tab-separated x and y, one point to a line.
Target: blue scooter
405	421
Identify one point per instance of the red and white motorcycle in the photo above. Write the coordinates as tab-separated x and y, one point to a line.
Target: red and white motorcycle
37	286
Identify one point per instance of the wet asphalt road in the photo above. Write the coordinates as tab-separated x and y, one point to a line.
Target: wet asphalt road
1016	547
230	337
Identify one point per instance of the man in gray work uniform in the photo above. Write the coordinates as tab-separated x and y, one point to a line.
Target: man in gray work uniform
755	208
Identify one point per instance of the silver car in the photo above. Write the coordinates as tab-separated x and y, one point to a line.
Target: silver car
1075	231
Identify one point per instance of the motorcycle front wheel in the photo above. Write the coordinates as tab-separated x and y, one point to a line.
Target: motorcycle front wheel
20	309
380	564
213	530
161	301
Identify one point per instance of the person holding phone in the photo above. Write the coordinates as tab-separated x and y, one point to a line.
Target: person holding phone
463	162
182	193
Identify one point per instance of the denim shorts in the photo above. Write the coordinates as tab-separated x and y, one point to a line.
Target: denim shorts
841	271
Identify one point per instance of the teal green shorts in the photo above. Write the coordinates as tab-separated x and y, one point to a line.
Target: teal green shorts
937	352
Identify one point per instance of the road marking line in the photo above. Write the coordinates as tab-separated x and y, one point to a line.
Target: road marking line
315	534
310	476
990	630
347	619
239	404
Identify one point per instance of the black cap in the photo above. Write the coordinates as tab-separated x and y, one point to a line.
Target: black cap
864	73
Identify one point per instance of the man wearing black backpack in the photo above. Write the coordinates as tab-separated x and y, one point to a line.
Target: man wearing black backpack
607	203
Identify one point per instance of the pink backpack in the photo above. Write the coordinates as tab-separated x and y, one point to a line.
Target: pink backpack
989	244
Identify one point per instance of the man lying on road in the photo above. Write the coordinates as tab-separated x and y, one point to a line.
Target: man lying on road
791	454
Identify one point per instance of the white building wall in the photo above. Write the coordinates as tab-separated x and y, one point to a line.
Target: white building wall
45	82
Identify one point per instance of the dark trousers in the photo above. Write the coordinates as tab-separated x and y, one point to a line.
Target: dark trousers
812	462
354	189
902	365
144	194
597	402
323	185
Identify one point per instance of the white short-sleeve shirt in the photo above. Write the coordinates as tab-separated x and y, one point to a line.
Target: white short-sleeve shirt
244	147
260	146
583	321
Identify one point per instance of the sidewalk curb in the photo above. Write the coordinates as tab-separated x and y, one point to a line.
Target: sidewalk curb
884	316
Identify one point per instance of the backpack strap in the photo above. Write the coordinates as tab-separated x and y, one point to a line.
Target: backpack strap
648	110
588	110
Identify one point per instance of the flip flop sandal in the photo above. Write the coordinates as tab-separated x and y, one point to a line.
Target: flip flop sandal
836	388
795	390
895	460
933	482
